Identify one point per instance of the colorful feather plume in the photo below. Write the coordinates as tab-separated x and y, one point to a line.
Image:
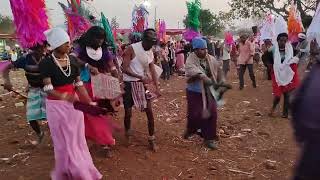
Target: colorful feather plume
294	23
139	18
161	30
228	38
313	32
106	25
77	22
193	22
31	21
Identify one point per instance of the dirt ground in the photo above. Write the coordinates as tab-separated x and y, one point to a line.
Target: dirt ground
251	146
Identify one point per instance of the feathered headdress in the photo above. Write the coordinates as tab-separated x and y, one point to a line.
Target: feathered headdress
268	28
161	30
228	38
294	23
313	32
31	21
139	18
106	26
77	18
193	22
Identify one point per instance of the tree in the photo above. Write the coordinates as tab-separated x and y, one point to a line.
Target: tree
6	25
251	8
210	24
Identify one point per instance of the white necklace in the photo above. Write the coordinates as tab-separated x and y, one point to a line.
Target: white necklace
66	72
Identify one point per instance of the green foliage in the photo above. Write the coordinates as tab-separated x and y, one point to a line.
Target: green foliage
6	25
257	8
210	24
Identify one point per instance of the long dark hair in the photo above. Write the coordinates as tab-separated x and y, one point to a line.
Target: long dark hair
95	32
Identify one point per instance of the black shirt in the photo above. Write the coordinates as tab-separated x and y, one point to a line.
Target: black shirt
267	58
31	67
49	69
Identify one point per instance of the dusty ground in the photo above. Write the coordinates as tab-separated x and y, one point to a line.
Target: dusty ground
249	141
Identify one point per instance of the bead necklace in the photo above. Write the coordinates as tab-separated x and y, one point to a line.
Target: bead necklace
66	72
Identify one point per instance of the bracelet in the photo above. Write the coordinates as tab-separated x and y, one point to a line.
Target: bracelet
78	84
48	88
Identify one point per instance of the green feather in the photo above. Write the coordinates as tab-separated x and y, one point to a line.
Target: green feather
194	8
106	25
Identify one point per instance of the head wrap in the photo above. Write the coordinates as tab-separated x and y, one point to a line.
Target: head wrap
199	43
56	37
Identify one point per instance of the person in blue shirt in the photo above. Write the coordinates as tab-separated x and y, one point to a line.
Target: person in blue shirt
36	110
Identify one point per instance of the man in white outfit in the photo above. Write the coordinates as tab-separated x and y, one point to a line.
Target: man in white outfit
138	65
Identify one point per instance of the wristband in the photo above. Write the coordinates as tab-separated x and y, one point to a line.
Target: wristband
78	84
48	88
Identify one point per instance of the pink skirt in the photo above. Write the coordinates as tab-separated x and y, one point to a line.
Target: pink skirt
72	157
180	61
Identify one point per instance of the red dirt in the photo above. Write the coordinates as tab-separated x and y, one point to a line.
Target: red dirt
269	139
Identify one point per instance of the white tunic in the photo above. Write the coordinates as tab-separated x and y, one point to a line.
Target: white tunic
140	63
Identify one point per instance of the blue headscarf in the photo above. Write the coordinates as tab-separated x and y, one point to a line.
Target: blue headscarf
199	43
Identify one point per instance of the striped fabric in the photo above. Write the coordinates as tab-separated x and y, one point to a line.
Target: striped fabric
36	107
139	95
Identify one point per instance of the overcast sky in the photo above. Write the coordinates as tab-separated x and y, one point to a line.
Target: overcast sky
172	11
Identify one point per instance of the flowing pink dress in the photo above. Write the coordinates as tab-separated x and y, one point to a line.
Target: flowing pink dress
180	59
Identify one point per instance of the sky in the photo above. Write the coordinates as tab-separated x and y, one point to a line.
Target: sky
172	11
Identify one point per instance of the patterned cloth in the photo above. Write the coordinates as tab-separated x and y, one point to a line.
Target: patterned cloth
36	105
138	95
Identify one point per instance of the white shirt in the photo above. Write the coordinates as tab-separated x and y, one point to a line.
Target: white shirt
226	53
14	57
140	63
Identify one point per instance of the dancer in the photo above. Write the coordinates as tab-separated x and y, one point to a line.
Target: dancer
61	77
137	62
171	57
284	75
234	56
93	55
36	109
267	57
225	58
180	58
245	60
30	36
163	57
302	52
202	71
306	122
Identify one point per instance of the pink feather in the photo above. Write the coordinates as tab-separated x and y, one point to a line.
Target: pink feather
31	21
190	34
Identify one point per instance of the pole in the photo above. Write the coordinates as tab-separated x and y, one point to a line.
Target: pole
155	16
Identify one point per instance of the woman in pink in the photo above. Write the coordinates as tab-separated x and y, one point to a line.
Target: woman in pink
245	60
61	77
180	57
